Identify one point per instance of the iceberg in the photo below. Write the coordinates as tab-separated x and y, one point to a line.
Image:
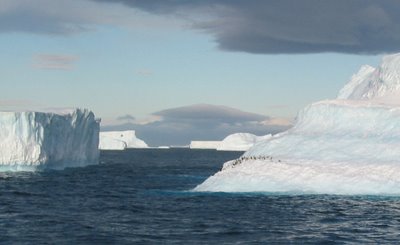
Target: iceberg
120	140
349	145
107	143
163	147
48	140
212	145
240	141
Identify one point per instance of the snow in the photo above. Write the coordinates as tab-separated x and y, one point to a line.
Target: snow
108	143
240	141
379	85
345	146
38	140
120	140
359	82
204	144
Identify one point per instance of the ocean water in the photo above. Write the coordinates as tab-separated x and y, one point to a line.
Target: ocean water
143	196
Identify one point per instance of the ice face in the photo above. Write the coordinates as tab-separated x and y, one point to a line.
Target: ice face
107	143
38	140
336	147
306	177
119	140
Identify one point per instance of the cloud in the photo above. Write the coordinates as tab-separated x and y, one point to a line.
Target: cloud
71	17
257	26
178	126
288	26
209	112
44	16
278	121
54	61
148	119
16	103
126	117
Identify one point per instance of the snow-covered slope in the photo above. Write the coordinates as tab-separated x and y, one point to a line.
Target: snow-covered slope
381	85
119	140
358	84
336	147
240	141
38	140
331	131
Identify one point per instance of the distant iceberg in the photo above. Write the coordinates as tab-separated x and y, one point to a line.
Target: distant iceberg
350	145
232	142
48	140
240	141
211	145
120	140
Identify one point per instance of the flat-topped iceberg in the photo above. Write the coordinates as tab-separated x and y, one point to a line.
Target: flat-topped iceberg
339	146
240	141
52	140
120	140
211	145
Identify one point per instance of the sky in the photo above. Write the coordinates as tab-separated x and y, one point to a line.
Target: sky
177	70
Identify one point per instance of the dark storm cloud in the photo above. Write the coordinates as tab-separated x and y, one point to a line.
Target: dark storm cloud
256	26
289	26
179	126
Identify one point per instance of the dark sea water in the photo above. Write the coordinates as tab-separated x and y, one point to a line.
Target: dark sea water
142	196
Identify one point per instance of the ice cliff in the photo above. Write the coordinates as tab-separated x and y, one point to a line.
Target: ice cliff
350	145
120	140
240	142
39	140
